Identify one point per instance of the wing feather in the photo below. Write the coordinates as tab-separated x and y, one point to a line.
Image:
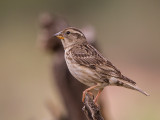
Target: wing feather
86	55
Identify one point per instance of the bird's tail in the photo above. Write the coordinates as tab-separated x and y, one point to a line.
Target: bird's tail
130	86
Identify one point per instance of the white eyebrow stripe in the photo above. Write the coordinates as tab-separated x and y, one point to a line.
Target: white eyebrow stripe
73	31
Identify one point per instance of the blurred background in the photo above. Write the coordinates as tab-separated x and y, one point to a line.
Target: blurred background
128	33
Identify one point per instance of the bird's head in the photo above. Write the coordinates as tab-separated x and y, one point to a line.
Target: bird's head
71	36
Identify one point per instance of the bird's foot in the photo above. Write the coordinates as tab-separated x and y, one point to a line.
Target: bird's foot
84	95
95	102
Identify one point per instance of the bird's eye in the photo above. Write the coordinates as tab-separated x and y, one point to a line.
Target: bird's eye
68	32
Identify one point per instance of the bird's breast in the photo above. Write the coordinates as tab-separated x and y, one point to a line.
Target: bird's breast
83	74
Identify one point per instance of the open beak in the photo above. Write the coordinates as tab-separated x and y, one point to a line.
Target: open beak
59	35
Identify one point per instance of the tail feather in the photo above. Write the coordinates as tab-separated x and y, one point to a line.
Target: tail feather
128	80
130	86
137	89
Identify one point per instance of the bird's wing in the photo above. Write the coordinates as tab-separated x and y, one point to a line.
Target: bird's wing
86	55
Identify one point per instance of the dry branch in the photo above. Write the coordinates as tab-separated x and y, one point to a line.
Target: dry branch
91	110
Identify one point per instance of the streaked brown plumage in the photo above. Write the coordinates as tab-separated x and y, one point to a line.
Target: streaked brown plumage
88	65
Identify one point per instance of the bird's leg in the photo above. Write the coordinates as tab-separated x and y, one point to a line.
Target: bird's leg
96	98
90	93
86	91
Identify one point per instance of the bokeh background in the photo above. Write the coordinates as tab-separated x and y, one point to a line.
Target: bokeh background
128	33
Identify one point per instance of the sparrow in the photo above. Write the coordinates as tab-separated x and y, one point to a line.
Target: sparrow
89	66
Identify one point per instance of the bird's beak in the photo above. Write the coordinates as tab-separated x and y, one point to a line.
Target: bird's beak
59	35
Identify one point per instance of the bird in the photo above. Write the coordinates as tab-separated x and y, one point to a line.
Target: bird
89	66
